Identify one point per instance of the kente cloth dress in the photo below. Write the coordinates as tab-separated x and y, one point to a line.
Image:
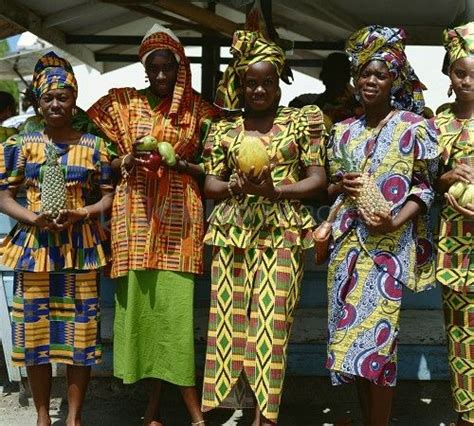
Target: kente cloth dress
55	315
257	262
157	238
455	267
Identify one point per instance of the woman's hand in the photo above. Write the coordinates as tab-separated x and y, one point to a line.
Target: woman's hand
181	166
467	211
378	223
45	222
350	184
68	218
262	185
128	162
462	172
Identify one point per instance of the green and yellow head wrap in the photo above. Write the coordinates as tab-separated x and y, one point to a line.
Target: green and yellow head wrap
459	43
248	47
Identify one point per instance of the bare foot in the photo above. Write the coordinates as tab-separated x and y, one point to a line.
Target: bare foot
43	421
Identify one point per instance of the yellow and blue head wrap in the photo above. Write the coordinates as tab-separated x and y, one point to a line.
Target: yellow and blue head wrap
53	72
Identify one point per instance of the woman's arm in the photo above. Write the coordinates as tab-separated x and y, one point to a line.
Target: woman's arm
216	188
461	172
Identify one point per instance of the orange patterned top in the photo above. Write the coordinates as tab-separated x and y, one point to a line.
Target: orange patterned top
156	223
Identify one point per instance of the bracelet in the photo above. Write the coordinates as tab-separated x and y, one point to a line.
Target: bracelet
238	197
83	209
186	165
124	172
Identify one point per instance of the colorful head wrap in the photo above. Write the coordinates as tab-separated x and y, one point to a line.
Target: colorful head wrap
161	38
52	72
388	45
248	47
459	43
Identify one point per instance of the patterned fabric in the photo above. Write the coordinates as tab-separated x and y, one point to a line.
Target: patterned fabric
156	224
257	263
82	246
459	313
366	271
459	42
456	242
248	47
55	318
52	72
253	298
181	110
388	45
256	221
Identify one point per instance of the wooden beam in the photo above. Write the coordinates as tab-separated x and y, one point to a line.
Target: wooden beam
191	41
71	13
116	21
30	21
186	9
8	28
127	58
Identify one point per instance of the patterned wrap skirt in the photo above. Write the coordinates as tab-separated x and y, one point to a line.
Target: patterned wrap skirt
363	317
459	321
55	319
254	294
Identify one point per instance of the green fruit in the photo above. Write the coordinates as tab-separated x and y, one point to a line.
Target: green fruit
468	196
6	132
166	151
147	143
457	189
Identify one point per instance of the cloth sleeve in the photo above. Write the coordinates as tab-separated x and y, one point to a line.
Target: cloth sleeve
101	113
12	163
103	176
312	136
214	154
426	163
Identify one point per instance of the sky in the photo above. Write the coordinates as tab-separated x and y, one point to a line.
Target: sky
426	60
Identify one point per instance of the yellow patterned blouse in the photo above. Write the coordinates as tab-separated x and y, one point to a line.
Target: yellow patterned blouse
296	142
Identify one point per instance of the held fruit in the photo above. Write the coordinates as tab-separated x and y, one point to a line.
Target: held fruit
457	189
147	143
468	196
252	153
166	151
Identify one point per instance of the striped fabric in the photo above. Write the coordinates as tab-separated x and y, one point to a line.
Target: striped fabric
55	318
82	246
156	224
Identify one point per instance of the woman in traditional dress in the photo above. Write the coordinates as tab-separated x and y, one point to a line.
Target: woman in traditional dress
55	257
157	223
374	255
259	228
455	267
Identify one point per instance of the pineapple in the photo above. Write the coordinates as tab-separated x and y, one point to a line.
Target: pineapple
52	183
370	199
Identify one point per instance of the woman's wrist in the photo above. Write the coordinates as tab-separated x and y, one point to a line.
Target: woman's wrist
84	212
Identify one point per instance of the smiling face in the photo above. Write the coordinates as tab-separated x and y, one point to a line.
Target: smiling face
57	106
161	68
260	86
374	84
461	74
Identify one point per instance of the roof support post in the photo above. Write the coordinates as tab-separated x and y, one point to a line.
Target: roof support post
210	64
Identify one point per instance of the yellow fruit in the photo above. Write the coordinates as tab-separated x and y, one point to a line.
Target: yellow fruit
468	196
252	153
370	199
457	189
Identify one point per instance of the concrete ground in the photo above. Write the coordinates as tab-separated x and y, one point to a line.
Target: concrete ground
306	401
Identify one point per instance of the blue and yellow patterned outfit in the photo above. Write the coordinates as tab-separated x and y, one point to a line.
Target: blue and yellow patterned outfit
55	305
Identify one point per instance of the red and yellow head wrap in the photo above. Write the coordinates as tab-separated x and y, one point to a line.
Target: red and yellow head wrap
248	47
52	72
161	38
